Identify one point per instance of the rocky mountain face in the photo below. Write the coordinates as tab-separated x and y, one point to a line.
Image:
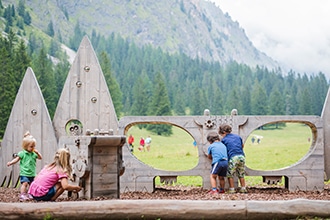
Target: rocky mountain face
197	28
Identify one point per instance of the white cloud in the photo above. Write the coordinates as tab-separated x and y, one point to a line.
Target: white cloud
293	32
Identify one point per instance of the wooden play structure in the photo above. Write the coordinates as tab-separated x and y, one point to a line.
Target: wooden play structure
86	123
306	175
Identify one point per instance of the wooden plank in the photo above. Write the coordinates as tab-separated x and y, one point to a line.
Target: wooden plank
106	168
106	178
104	150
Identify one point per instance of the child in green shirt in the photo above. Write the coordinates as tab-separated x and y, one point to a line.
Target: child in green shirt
27	158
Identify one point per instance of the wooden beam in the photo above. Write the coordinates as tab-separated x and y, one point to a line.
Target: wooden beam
167	209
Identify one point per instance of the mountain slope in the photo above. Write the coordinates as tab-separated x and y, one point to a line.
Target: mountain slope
197	28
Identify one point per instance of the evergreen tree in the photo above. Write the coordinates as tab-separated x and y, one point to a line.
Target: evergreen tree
217	102
33	44
318	90
54	48
50	29
22	62
43	69
258	100
20	23
10	74
114	89
246	101
213	94
7	28
179	107
59	36
198	101
276	103
140	96
8	16
128	88
305	102
13	12
233	101
12	40
95	39
27	18
7	83
21	8
77	37
61	70
160	106
292	99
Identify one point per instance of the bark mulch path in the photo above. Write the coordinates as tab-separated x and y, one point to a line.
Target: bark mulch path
264	193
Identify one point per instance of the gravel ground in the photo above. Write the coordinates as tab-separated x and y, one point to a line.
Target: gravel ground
11	195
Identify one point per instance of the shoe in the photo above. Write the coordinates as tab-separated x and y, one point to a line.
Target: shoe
213	192
231	191
23	197
221	191
30	197
242	191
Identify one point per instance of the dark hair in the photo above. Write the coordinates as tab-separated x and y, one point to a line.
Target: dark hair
213	136
224	129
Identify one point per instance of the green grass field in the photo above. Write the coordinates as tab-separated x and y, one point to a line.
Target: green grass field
278	148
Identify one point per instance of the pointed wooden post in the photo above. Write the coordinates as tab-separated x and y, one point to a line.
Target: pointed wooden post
29	113
85	96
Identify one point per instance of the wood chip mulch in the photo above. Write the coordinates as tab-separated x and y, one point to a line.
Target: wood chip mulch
263	193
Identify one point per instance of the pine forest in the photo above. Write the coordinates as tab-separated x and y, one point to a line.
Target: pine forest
144	80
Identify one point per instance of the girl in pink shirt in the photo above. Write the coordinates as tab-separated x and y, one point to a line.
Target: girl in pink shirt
52	180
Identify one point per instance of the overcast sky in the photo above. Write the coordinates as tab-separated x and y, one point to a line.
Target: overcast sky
296	33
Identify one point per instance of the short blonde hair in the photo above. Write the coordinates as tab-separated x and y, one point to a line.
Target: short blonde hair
27	140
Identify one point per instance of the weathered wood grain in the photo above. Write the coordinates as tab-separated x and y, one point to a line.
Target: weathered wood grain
167	209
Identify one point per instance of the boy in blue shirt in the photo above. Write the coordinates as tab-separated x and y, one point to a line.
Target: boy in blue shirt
217	152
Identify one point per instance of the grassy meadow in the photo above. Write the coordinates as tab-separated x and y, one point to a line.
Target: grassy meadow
278	148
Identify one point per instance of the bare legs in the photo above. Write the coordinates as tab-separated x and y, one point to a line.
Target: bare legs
213	180
222	182
231	182
58	192
24	187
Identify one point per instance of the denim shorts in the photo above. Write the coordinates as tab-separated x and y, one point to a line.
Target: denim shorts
26	179
46	197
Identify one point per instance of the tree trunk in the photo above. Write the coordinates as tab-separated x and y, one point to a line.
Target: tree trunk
166	209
